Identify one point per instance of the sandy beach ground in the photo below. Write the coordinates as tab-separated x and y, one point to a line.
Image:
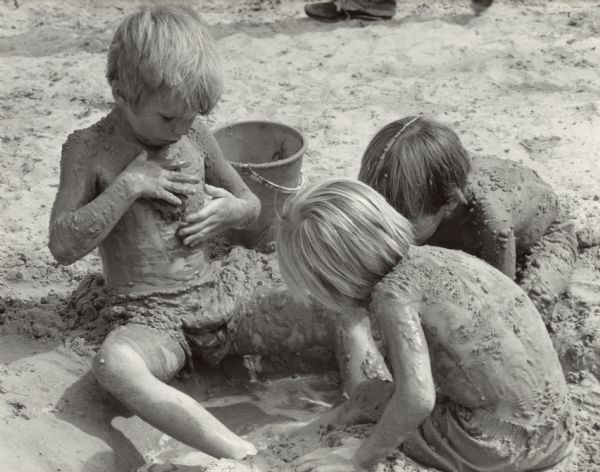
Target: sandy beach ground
520	82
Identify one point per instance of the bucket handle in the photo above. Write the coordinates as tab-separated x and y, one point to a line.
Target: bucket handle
272	185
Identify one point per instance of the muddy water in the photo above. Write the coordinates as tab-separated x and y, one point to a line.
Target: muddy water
246	407
254	403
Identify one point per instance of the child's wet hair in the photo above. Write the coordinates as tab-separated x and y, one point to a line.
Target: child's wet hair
417	164
336	239
166	50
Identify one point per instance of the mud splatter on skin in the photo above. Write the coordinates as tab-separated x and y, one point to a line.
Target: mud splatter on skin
517	100
138	238
484	328
513	220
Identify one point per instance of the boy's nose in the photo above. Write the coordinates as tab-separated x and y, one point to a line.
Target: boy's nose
182	125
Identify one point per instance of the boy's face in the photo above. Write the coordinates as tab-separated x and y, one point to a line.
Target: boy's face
158	120
424	226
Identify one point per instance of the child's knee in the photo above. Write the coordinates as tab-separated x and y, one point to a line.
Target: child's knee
116	363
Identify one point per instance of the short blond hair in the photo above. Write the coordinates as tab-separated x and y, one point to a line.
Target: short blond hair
336	239
418	164
165	49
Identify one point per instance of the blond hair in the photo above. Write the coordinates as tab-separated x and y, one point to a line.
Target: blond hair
166	50
336	239
417	164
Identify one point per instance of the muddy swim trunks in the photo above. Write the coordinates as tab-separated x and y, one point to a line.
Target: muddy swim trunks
202	316
459	439
454	438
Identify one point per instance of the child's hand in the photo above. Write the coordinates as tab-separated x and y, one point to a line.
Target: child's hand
224	211
153	179
338	459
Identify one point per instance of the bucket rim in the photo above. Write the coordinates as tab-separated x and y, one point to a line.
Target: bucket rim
267	165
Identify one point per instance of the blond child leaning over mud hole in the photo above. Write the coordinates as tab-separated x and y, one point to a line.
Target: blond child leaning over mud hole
477	385
137	185
495	209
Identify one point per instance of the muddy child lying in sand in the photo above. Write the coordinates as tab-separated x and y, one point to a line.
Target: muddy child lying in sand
476	385
133	186
495	209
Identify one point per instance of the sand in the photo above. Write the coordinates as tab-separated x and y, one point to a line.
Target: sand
520	82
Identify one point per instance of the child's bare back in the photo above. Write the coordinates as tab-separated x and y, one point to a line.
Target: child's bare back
484	335
504	200
495	209
476	383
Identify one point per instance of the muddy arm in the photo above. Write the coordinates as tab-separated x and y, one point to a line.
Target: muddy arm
358	356
414	394
80	220
220	173
498	239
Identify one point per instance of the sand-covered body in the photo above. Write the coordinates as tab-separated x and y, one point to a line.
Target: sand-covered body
488	345
143	251
519	83
514	220
502	196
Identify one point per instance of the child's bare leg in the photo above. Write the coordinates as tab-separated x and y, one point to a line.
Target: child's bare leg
273	323
133	364
549	266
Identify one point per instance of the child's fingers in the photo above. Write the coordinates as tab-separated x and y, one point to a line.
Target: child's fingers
168	197
170	164
181	188
196	227
216	192
206	233
201	215
179	177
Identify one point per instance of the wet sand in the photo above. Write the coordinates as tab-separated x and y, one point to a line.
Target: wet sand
519	82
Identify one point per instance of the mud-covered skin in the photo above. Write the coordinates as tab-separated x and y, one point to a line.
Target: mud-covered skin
488	345
105	172
512	215
358	355
140	249
461	330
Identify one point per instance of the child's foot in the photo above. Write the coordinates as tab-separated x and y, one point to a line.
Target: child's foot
328	12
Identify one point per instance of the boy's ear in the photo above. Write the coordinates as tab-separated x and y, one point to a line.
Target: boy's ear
117	94
449	207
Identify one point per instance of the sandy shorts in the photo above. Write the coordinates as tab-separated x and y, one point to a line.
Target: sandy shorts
202	317
458	439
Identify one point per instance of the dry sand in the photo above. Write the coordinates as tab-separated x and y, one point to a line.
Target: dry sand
519	82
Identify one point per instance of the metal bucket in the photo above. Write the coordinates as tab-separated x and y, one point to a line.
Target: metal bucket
268	156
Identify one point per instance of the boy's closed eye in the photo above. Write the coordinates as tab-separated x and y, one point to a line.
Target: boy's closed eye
167	119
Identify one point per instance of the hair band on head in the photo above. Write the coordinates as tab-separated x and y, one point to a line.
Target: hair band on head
394	138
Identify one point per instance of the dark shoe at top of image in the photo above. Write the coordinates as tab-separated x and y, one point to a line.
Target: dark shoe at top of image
479	6
329	12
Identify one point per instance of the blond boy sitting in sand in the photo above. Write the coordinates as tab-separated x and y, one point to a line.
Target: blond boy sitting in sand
477	385
135	185
495	209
